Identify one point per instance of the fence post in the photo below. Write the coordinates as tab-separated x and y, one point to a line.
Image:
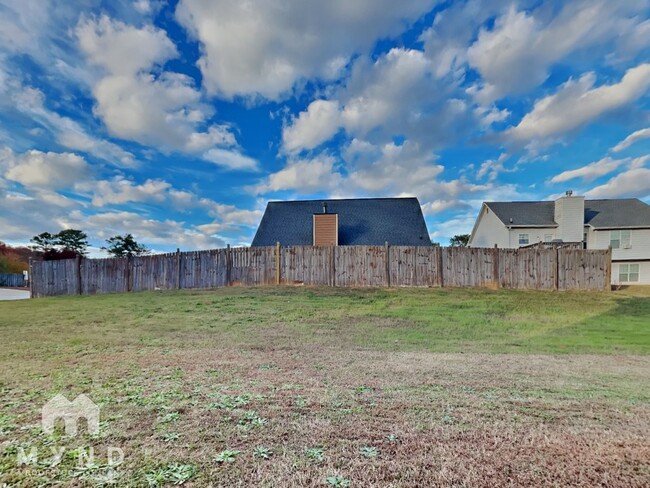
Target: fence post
128	274
178	268
556	284
608	273
228	265
277	263
78	266
441	281
495	269
31	279
332	265
387	249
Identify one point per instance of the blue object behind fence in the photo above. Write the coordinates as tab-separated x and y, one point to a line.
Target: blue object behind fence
12	279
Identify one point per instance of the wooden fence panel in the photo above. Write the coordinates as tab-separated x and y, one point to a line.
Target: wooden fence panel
582	270
308	265
54	278
109	275
203	269
157	272
252	266
462	267
528	269
360	266
355	266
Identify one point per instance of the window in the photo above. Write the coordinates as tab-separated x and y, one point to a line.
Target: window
628	273
548	237
524	239
619	239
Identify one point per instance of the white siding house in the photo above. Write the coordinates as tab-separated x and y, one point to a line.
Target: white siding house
622	224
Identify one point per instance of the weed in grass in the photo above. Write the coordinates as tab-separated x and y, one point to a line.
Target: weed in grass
315	453
174	473
169	417
252	419
170	436
263	452
337	481
369	452
227	456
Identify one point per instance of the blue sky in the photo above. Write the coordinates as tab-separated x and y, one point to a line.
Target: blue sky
178	121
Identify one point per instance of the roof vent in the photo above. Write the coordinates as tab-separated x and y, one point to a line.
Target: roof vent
324	207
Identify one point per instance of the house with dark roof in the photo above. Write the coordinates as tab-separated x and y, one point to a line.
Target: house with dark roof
623	224
343	222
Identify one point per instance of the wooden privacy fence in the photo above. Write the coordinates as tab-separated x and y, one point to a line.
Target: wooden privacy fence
537	269
12	279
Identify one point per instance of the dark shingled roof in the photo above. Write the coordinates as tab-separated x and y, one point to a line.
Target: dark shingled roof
362	222
624	212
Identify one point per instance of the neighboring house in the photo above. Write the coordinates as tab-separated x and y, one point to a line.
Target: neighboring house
345	222
623	224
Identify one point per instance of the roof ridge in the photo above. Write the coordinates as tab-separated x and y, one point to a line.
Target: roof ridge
342	199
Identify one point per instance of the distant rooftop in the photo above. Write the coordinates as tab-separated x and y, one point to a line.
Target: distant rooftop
624	212
362	222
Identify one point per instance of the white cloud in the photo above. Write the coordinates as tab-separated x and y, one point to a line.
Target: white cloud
516	54
231	159
318	124
632	183
123	49
68	132
437	206
577	102
149	231
305	176
590	171
137	101
395	95
631	139
263	48
119	190
47	170
492	167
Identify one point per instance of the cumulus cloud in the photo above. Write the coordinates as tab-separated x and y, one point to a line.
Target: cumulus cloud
120	190
68	133
150	231
632	183
231	159
263	48
590	171
396	94
516	54
305	175
46	170
313	127
137	101
577	102
633	138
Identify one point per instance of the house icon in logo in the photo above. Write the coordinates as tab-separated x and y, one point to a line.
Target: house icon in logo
60	407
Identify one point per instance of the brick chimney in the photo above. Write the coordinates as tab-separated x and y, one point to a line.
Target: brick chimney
570	217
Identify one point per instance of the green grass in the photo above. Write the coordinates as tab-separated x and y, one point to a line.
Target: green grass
397	320
334	387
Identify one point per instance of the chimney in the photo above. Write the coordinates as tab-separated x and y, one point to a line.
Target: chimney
326	228
570	217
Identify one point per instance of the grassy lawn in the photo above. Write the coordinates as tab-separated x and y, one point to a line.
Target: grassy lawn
333	387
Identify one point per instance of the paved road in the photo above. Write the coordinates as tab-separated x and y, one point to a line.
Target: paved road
11	294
